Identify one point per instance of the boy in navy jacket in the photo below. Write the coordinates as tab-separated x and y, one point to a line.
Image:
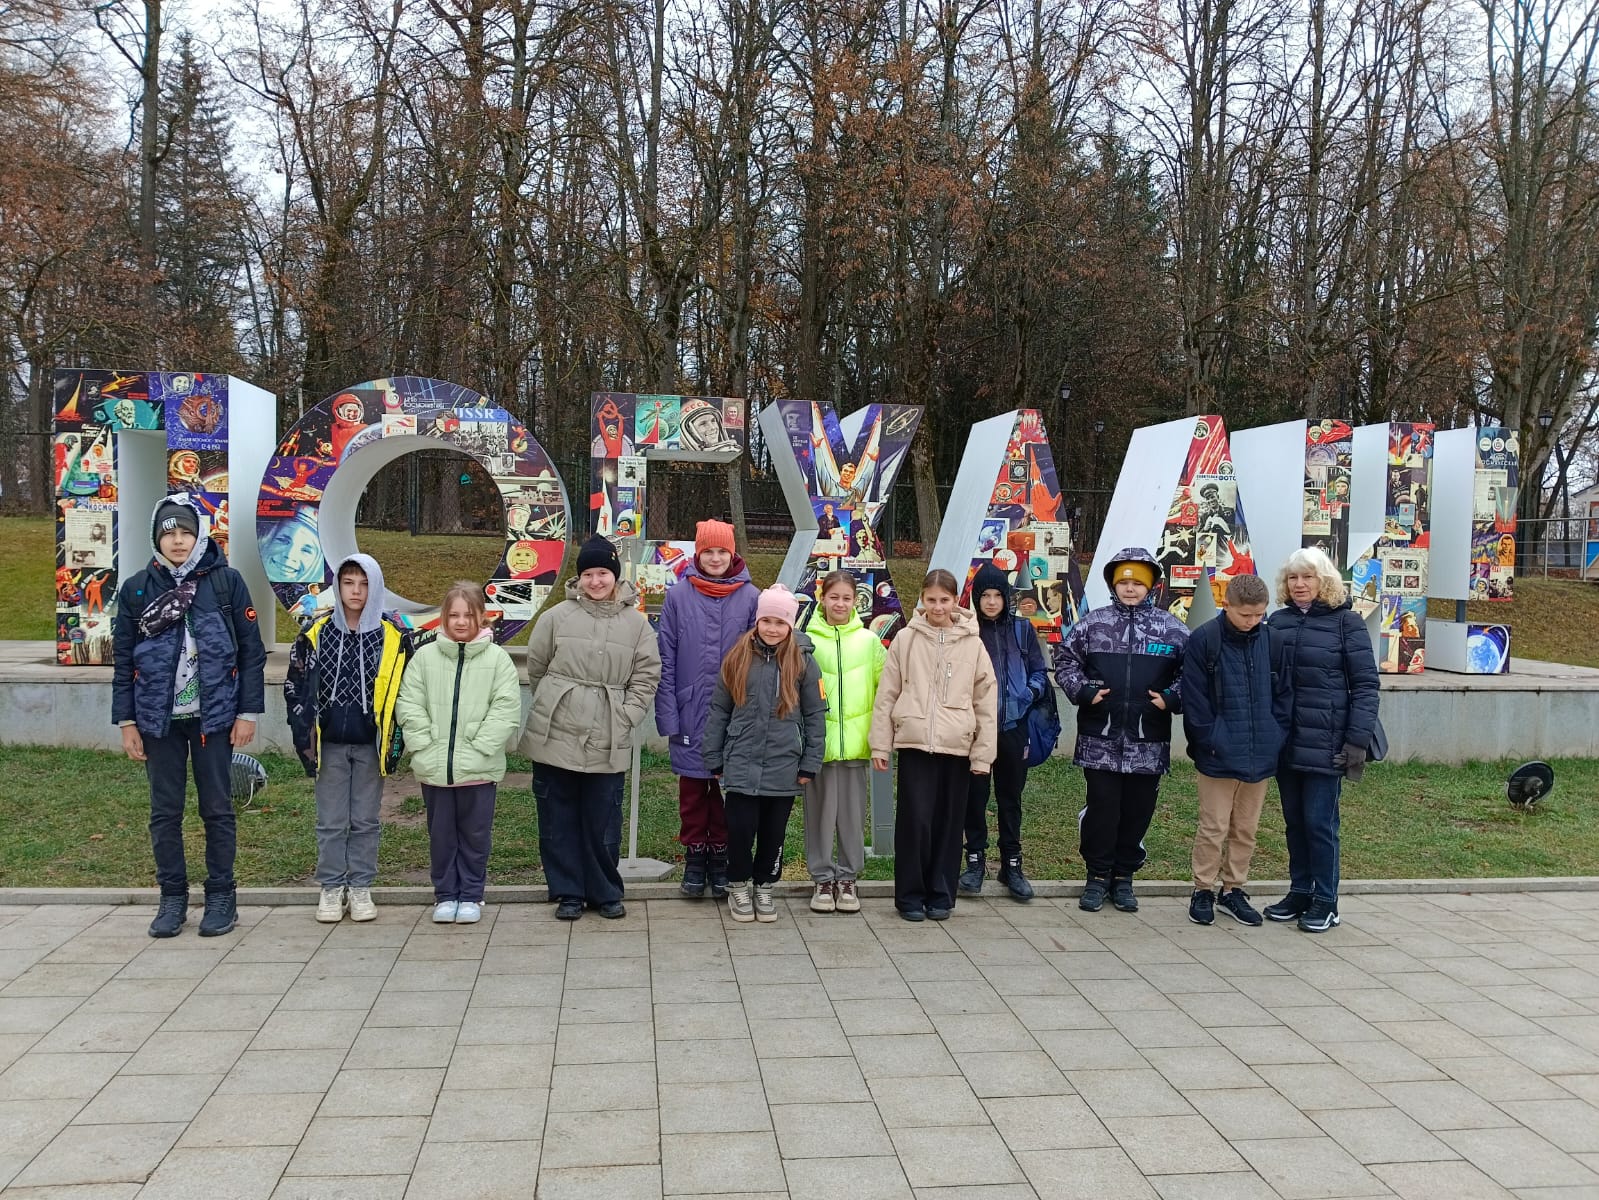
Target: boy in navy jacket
1236	706
188	685
1012	646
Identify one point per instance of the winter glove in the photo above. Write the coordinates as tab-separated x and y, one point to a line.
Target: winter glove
1354	763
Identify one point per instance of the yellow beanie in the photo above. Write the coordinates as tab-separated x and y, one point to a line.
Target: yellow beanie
1136	571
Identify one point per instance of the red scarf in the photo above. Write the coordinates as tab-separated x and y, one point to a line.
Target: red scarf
718	588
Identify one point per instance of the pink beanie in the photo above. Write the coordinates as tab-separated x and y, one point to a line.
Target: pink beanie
777	601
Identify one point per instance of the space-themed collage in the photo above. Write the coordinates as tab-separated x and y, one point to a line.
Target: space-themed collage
1027	534
288	511
631	435
849	484
1205	541
1493	514
93	411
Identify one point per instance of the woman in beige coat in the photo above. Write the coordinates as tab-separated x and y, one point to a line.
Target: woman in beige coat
937	704
593	669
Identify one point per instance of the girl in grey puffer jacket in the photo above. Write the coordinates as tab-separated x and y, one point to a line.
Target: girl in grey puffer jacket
764	739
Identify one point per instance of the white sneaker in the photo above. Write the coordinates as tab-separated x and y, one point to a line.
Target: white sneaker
765	903
444	912
330	908
468	912
822	900
361	906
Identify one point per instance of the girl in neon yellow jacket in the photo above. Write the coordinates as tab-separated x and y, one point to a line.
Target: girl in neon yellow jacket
851	660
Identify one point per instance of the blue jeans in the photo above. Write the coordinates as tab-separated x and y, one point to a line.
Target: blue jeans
1310	821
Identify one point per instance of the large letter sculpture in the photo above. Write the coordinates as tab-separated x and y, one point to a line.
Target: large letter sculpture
631	431
837	477
305	517
1391	498
121	442
1177	495
1006	508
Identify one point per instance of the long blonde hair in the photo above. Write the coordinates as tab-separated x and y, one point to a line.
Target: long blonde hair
1330	589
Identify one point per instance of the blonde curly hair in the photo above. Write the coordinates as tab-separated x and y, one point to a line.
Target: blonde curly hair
1311	561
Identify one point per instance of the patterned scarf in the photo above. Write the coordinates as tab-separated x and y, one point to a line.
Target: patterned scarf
170	607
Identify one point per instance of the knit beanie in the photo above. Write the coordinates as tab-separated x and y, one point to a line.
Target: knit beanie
1138	572
713	535
777	601
598	552
174	514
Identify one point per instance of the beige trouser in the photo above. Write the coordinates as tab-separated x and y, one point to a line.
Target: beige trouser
1229	812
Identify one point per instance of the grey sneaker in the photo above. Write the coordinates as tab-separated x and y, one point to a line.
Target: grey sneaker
765	905
740	905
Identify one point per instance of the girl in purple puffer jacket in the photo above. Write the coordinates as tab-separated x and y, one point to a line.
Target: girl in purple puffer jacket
706	612
1121	666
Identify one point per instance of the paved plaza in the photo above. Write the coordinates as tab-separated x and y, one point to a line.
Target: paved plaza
1435	1046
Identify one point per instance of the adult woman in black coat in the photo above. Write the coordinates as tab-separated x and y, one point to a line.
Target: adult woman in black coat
1328	653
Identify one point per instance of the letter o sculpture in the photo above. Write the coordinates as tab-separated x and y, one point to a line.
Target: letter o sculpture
305	517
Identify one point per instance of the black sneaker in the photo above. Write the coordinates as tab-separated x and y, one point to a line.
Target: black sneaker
221	914
971	880
937	914
613	910
1012	877
1121	895
1094	893
1319	917
1202	907
1236	901
1290	908
569	910
912	914
170	915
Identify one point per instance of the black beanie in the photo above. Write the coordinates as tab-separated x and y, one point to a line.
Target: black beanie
172	514
598	552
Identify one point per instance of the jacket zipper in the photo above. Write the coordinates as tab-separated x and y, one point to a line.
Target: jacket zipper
455	711
1249	692
839	644
1127	681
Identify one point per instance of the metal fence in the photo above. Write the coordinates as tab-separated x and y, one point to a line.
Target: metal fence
1554	548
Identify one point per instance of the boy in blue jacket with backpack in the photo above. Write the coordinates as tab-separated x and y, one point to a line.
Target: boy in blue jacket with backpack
1236	706
188	685
1023	677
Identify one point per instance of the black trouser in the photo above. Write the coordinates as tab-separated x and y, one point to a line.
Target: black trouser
755	829
580	832
1009	776
1120	808
460	838
167	765
929	802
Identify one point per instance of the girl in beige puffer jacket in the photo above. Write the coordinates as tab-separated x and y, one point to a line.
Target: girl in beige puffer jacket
937	705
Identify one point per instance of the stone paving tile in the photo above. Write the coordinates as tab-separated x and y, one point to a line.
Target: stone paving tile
1017	1052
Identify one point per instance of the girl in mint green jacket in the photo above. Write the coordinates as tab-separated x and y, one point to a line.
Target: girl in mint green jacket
851	659
460	704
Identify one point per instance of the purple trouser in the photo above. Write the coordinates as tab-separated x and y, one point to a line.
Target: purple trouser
460	834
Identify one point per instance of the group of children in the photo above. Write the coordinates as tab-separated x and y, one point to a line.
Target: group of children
755	711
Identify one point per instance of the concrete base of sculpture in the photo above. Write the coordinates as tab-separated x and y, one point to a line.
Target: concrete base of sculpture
1536	710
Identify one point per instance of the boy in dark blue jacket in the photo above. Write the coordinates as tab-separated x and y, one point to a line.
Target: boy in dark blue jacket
1012	646
1236	707
188	685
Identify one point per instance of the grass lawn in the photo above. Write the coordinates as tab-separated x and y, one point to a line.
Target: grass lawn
77	818
1552	620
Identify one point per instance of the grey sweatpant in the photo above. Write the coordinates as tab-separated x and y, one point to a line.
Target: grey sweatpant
835	801
349	793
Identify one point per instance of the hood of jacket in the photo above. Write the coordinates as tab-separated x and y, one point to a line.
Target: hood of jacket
626	597
990	578
1131	554
453	650
203	545
962	625
372	613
